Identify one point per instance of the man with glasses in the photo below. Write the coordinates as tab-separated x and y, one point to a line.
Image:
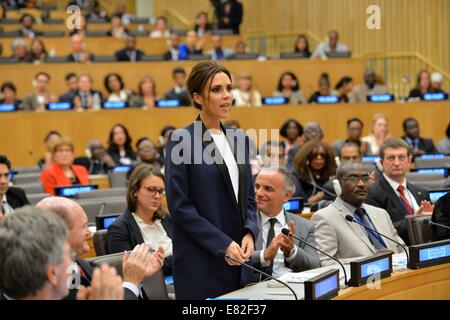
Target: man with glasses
346	240
10	197
392	192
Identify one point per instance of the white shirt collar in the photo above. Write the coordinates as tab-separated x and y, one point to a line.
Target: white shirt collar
394	184
281	218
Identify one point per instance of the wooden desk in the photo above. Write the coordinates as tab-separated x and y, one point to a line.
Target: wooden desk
424	284
101	180
26	130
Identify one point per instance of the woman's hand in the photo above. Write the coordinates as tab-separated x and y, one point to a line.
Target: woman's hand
247	246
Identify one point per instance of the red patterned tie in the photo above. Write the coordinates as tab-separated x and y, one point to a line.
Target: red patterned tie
409	209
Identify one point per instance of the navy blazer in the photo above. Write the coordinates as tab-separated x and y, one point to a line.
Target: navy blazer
382	195
124	234
16	197
206	216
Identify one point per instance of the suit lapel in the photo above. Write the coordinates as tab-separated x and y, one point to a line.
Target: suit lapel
136	232
357	229
392	195
221	166
417	194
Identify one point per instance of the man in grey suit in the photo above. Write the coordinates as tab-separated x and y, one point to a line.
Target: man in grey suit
274	252
346	240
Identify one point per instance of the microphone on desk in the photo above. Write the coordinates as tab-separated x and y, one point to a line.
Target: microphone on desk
351	219
222	255
431	223
288	233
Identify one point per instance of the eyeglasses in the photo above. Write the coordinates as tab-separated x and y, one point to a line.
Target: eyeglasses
153	191
355	179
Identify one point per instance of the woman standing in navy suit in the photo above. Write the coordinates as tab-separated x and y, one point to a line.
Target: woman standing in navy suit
209	192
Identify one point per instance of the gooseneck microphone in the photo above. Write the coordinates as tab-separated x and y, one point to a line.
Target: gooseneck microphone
288	233
222	255
351	219
431	223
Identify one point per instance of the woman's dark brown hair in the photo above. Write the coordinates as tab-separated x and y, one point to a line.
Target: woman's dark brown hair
306	154
138	175
200	74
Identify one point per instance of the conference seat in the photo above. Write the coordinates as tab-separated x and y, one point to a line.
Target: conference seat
430	184
23	178
31	188
432	163
418	231
101	242
31	169
95	207
154	286
118	179
102	193
36	197
416	177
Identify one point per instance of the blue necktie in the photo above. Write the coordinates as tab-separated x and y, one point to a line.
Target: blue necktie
374	238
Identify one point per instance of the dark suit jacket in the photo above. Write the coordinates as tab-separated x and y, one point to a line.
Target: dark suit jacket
92	92
235	16
16	197
71	57
88	269
441	214
183	97
383	196
206	215
426	145
115	155
93	167
122	55
124	234
67	96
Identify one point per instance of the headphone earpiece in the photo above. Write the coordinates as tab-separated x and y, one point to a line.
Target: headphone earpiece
337	187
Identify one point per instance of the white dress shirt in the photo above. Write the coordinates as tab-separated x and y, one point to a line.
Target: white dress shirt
154	235
227	154
8	209
409	196
279	267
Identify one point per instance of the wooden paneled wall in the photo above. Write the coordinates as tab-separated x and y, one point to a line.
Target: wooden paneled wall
265	73
407	25
24	131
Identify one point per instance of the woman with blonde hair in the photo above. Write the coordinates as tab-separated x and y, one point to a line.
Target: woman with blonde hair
245	95
380	133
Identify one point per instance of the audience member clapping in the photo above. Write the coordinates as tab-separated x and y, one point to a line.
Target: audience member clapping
37	100
245	95
117	29
72	88
50	140
11	198
116	88
63	172
144	221
86	97
79	53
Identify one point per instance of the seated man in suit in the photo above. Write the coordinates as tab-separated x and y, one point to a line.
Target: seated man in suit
346	240
27	30
179	92
441	215
130	52
370	86
392	192
79	54
218	52
72	86
38	268
416	143
10	197
86	97
136	267
276	253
